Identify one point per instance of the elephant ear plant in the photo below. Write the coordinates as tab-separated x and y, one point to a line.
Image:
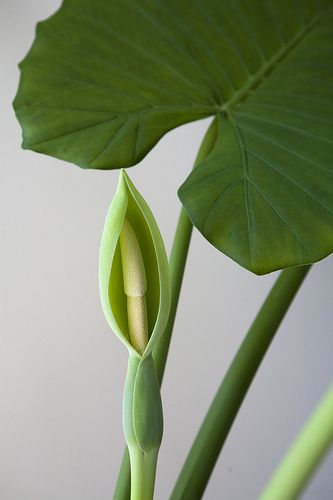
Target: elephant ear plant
103	81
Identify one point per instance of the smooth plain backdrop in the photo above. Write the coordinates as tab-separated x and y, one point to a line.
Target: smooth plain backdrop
62	369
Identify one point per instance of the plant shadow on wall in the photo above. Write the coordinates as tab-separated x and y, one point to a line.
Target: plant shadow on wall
103	82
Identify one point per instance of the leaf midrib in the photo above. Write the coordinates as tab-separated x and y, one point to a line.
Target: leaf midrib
257	78
245	178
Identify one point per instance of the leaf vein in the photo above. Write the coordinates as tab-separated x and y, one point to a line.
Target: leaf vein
288	111
205	13
217	201
290	179
187	54
284	126
145	52
64	134
278	213
290	151
244	162
109	141
212	175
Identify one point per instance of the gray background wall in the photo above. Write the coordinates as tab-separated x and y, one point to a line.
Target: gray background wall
62	370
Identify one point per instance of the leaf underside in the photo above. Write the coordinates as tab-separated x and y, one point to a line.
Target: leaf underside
106	79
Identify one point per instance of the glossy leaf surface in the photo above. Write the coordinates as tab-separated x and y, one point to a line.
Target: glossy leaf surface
106	79
264	196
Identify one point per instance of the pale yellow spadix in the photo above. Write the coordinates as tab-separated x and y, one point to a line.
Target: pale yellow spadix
135	286
135	283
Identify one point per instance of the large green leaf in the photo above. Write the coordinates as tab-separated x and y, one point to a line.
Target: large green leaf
264	195
105	79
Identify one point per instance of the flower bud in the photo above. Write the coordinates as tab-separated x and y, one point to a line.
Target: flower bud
133	271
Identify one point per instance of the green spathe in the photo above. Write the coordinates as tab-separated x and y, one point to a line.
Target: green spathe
130	208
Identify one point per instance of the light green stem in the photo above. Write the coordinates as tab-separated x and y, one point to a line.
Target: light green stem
178	257
143	470
177	264
304	455
224	408
143	425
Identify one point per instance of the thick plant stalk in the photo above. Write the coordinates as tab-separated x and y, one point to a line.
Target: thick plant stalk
304	455
177	264
224	408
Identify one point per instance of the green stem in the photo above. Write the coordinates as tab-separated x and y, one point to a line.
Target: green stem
224	408
143	469
304	455
123	486
178	259
177	262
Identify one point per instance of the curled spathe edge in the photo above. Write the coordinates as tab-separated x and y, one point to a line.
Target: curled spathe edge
110	238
